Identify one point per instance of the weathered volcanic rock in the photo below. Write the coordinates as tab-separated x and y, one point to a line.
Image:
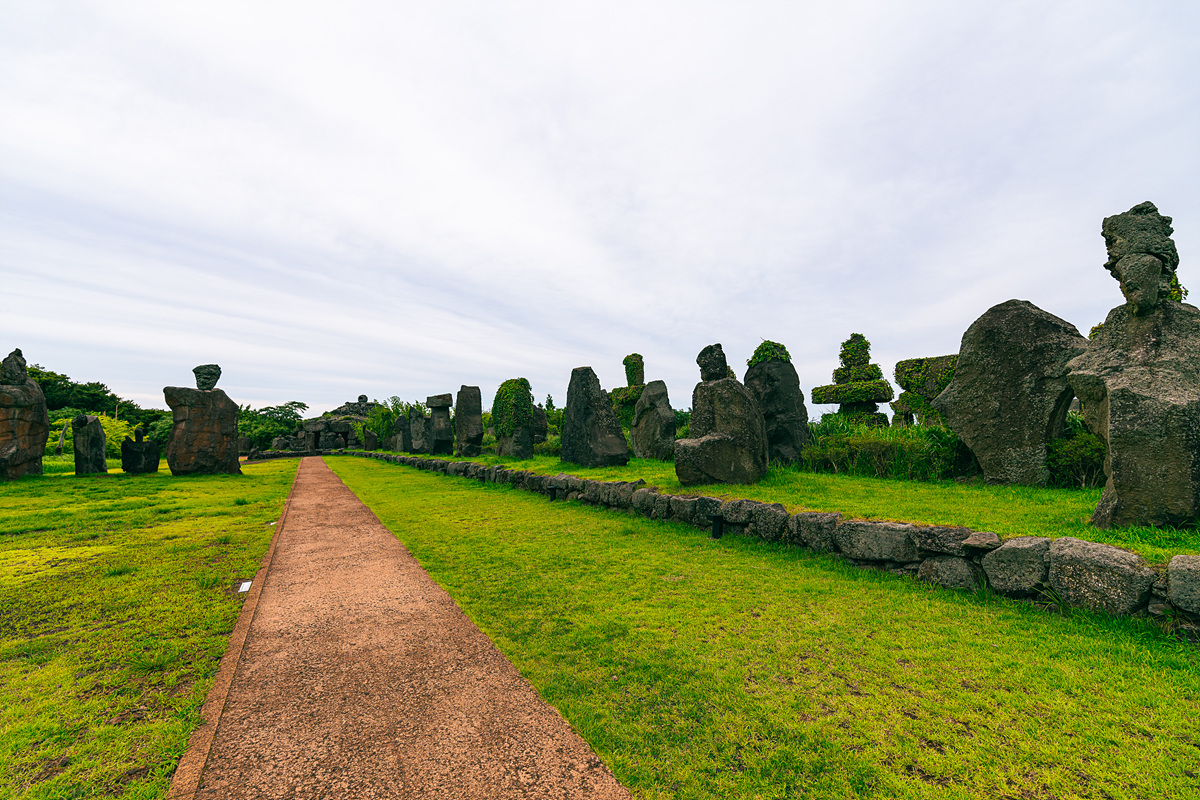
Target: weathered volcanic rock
876	541
1010	394
278	443
370	439
141	456
402	440
540	425
421	438
1099	577
1183	583
776	388
89	445
24	421
519	445
952	572
468	421
591	433
1139	382
653	431
204	434
207	376
729	438
713	366
1018	568
441	430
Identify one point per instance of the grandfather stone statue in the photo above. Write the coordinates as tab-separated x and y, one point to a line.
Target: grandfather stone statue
442	433
24	421
653	431
203	436
591	433
402	440
88	434
468	421
1139	380
1009	396
728	441
418	425
773	382
141	456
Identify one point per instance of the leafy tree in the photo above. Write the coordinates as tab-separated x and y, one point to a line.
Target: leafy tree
266	423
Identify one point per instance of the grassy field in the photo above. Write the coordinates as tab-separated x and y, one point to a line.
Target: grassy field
743	669
117	598
1004	510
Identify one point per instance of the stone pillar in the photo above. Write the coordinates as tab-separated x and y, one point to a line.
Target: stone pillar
442	438
24	421
88	434
468	421
204	435
418	426
591	433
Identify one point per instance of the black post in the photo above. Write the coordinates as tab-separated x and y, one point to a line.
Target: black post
553	492
717	521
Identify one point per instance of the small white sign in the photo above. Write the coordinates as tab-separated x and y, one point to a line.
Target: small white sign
245	586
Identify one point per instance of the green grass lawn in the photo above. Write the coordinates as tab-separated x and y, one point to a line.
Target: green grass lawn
1005	510
739	668
116	603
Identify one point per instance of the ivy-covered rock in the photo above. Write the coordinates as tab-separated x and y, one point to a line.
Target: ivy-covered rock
858	385
635	370
922	379
512	418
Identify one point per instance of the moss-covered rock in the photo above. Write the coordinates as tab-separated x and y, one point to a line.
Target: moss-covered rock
858	385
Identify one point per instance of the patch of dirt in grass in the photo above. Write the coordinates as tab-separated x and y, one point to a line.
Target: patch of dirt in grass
51	768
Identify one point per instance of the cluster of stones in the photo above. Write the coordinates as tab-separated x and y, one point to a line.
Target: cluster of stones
922	380
728	435
1138	379
1082	574
203	437
858	385
24	420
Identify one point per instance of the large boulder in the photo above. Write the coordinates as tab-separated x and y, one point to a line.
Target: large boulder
441	430
419	428
203	436
653	431
89	445
140	456
776	388
728	441
591	433
24	421
1139	381
1010	395
1099	577
468	421
402	439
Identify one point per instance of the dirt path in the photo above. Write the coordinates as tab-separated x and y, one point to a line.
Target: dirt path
361	678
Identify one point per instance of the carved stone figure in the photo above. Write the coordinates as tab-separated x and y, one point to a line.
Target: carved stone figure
418	426
203	436
441	432
140	456
24	421
858	385
591	433
728	441
88	434
207	376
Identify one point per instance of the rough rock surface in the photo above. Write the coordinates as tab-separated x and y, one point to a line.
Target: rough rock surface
441	429
1010	394
1099	577
541	425
776	388
207	376
370	439
653	429
591	433
278	443
468	421
1183	583
962	542
204	434
89	445
814	529
729	438
1139	382
141	456
519	445
713	366
1018	568
24	421
418	426
876	541
952	572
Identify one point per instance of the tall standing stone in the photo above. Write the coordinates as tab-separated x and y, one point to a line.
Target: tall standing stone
89	445
402	439
728	441
773	382
468	421
591	433
1010	394
1139	380
24	421
653	431
419	429
203	438
140	456
441	431
370	439
513	419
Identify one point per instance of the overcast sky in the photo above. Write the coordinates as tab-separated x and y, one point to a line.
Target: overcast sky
334	199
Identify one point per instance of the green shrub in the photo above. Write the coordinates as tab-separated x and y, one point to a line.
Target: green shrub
922	452
1077	459
551	447
115	431
683	423
768	351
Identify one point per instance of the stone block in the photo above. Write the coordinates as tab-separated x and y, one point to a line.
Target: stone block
952	572
814	530
1019	567
1099	577
1183	583
876	541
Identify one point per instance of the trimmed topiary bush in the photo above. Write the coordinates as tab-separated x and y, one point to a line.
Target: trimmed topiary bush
858	385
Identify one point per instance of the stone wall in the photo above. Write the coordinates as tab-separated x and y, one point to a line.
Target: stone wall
1065	571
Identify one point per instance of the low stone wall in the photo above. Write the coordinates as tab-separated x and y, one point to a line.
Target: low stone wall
1073	572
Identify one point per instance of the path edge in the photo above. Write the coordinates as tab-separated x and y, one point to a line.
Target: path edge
185	782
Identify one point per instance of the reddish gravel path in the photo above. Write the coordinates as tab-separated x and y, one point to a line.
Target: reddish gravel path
360	678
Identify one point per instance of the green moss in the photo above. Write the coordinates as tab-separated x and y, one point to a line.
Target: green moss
624	400
513	407
768	351
859	392
927	377
635	369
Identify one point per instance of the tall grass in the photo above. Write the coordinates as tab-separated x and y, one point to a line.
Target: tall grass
917	452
